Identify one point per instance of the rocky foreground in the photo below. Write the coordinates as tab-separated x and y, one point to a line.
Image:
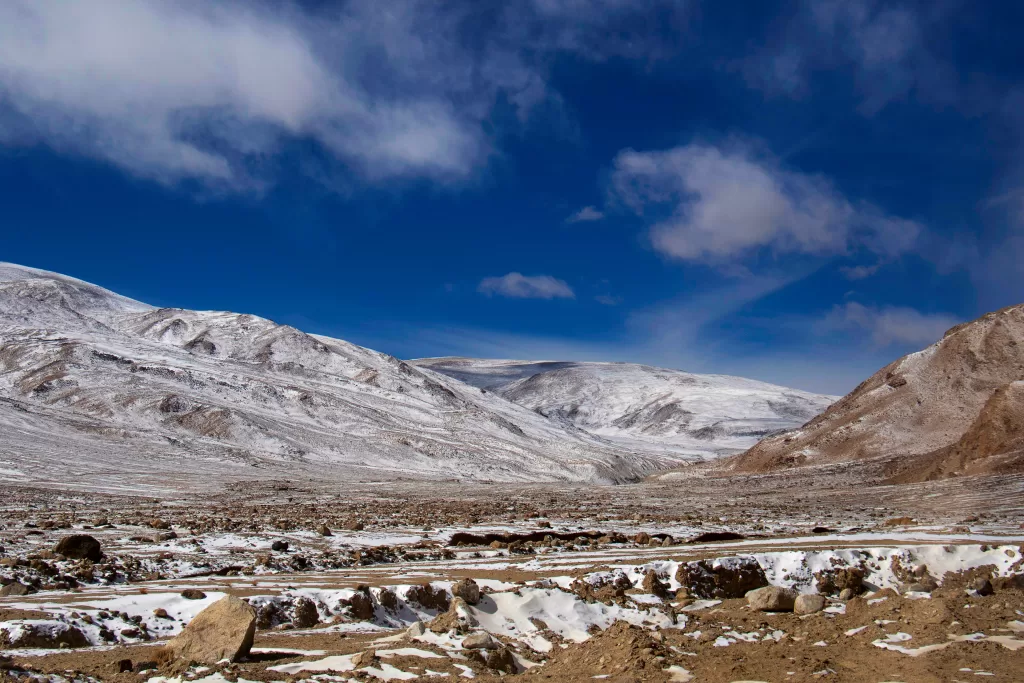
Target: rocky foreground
555	584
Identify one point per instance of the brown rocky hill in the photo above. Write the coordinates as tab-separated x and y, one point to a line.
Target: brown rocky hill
955	408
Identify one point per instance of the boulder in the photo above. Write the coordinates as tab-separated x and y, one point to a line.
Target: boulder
480	641
416	630
654	585
14	589
279	546
306	614
367	658
430	597
224	630
772	599
727	577
457	618
468	590
42	634
983	587
361	605
501	659
193	594
833	581
324	530
808	604
79	547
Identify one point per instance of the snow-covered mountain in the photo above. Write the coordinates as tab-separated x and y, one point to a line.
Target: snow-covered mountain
98	391
643	407
954	408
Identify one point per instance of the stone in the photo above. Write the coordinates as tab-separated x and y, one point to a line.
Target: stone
919	587
161	613
361	605
122	666
365	658
45	635
387	599
279	546
479	641
468	590
654	585
430	597
324	530
306	614
457	618
983	587
501	659
833	581
847	594
416	630
193	594
79	547
772	599
14	589
808	604
727	577
224	630
642	538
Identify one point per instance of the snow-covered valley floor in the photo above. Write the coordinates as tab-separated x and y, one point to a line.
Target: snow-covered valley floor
576	583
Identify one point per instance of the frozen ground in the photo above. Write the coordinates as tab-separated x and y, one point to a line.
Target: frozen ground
563	569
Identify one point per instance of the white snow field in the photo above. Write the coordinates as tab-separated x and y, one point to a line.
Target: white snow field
105	393
643	407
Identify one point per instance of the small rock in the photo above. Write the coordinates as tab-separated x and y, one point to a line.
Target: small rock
468	590
983	587
808	604
919	587
653	585
416	630
501	659
306	613
324	530
846	594
772	599
224	630
122	666
361	605
193	594
279	546
161	613
365	658
79	547
480	641
642	538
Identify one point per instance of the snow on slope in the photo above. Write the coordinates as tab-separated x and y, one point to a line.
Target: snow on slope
101	392
642	406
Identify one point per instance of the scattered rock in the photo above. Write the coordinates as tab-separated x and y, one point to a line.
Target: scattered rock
14	589
654	585
480	641
808	604
48	635
324	530
79	547
430	597
728	577
224	630
365	658
193	594
387	599
833	581
772	599
361	605
306	614
161	613
468	590
279	546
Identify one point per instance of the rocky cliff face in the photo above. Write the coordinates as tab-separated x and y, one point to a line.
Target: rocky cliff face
953	408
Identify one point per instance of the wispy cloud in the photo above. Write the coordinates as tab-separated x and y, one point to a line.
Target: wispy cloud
887	325
216	90
727	202
608	299
883	44
519	286
586	215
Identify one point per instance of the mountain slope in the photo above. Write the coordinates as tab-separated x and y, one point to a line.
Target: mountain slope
101	391
953	408
639	406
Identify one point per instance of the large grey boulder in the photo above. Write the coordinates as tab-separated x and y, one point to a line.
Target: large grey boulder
809	604
772	599
468	590
224	630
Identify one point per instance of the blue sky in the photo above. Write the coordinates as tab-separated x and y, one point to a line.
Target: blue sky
798	192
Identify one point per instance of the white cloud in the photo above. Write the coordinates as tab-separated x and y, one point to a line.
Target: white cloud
859	272
519	286
888	325
728	202
608	299
216	90
586	215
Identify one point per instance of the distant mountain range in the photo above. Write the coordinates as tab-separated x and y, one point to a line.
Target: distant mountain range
98	391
